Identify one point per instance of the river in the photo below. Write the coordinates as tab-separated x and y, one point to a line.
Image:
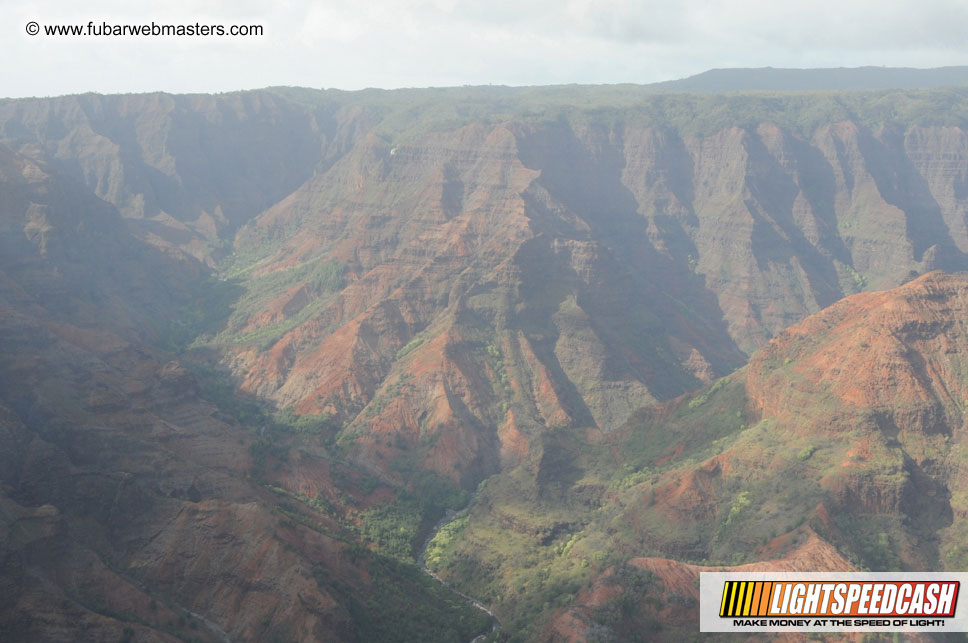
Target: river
422	561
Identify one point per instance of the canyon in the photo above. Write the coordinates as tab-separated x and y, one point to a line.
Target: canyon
253	346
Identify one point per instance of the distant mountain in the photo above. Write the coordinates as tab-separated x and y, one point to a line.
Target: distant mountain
717	81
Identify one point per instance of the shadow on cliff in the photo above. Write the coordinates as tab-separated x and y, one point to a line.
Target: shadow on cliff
583	174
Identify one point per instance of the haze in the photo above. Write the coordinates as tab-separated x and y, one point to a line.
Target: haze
415	43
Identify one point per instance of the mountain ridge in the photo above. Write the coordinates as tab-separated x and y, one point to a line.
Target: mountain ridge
358	309
772	467
867	78
716	80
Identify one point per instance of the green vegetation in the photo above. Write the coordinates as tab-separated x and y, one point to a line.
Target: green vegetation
703	397
266	336
532	539
411	346
699	480
406	114
210	305
632	478
623	617
860	281
394	528
875	540
699	428
327	277
439	615
954	554
319	279
411	606
397	529
444	539
262	451
219	389
287	421
741	502
519	556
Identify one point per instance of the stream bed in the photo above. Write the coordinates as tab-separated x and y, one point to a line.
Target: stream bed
422	562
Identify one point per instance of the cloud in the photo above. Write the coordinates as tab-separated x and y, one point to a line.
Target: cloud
835	25
394	43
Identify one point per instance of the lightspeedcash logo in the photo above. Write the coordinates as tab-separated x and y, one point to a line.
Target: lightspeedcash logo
861	602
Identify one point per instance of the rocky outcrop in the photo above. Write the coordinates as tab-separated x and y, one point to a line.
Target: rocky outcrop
610	265
896	354
185	171
662	601
128	505
612	261
465	294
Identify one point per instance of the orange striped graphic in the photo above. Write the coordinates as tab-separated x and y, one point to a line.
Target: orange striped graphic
746	598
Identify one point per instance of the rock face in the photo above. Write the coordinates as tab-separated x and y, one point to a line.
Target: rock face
659	596
896	354
129	504
572	272
840	446
185	171
884	374
462	284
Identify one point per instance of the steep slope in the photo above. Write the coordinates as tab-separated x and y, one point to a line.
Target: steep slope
132	507
449	296
65	254
185	171
467	290
420	290
840	446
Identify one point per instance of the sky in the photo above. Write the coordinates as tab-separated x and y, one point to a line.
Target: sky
434	43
